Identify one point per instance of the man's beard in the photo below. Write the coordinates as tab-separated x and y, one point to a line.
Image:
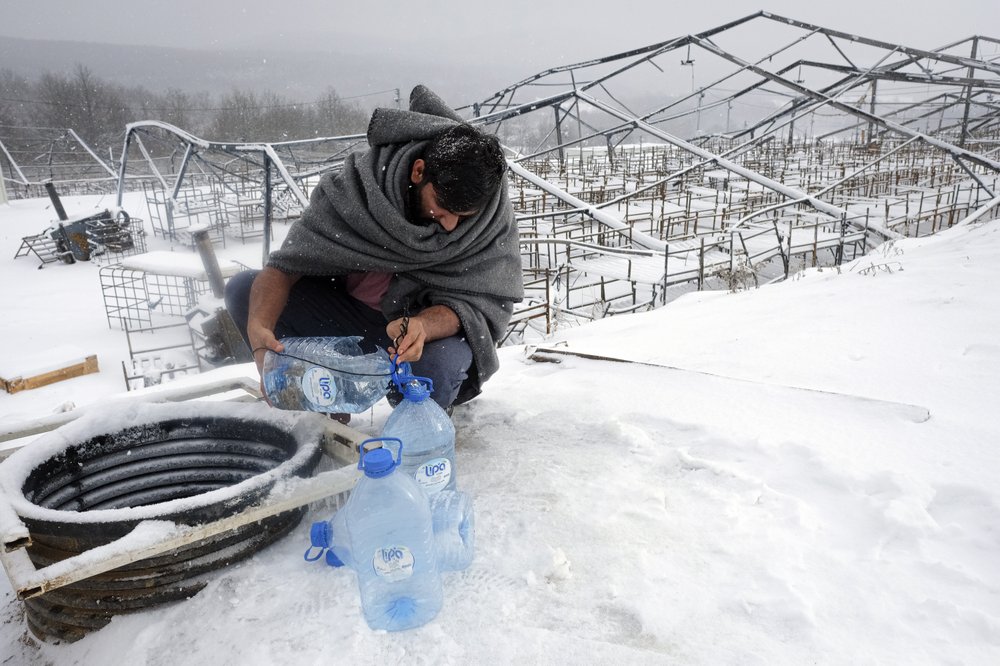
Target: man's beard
415	213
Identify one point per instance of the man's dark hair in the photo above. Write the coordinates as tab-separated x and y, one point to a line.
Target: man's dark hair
465	166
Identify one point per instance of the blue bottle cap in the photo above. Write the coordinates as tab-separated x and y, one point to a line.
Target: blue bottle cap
413	388
319	537
416	391
319	534
377	463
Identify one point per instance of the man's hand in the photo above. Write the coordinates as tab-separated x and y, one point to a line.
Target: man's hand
261	339
434	323
409	345
268	297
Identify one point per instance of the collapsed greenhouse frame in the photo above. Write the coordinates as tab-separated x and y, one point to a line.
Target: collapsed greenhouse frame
30	157
610	225
878	175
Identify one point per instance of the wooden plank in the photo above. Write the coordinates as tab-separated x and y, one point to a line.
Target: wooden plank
16	384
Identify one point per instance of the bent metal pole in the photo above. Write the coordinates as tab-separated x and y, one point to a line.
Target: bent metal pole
950	148
591	210
749	174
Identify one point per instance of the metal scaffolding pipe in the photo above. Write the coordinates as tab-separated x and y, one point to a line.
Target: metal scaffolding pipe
590	210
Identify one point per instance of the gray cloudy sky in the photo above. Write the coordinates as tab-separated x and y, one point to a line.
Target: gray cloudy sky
537	33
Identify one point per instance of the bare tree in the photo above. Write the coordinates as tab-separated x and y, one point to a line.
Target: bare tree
14	91
93	108
238	118
335	117
283	121
179	108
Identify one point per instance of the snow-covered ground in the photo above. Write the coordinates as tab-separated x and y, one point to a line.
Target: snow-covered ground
804	473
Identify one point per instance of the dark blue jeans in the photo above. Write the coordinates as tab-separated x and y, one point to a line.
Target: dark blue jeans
321	306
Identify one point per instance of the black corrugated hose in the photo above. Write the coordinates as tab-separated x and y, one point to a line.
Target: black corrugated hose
145	465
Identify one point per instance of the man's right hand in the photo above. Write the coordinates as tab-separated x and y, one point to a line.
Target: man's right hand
268	297
261	339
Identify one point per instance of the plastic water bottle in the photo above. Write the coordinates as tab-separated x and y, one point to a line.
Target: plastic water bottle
391	538
454	529
454	523
325	374
427	432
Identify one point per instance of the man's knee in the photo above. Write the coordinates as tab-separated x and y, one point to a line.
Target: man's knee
237	296
446	362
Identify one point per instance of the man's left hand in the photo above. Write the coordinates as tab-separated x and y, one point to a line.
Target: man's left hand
434	323
410	345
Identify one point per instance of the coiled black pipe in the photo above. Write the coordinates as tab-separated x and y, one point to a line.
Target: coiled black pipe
181	455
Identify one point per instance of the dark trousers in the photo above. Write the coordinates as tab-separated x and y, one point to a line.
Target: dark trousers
321	307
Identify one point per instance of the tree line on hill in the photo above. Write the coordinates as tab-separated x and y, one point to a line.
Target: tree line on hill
98	111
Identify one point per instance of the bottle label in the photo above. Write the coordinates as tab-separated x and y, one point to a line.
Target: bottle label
393	563
318	387
433	475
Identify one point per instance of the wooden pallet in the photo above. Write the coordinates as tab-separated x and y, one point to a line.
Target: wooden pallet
25	382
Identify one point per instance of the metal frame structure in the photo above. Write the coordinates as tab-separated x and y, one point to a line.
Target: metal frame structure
236	183
33	156
846	153
630	179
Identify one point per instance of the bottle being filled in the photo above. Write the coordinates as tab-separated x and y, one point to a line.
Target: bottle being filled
325	374
390	534
426	430
452	516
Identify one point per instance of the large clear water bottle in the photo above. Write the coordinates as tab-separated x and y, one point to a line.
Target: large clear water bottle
391	538
452	516
426	430
454	529
325	374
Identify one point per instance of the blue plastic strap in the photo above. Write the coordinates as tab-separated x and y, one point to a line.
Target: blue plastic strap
362	451
400	372
402	375
319	553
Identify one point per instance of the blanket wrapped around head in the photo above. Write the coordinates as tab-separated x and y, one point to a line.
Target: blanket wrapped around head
356	222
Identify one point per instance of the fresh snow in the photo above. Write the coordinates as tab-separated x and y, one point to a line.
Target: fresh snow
174	263
802	473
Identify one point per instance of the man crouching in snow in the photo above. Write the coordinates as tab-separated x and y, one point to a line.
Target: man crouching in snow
418	227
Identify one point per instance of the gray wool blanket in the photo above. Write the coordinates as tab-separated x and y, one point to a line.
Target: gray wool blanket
356	222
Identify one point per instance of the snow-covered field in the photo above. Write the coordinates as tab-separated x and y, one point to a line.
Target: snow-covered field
804	473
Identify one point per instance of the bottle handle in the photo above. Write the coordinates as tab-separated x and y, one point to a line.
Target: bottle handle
362	450
403	375
310	556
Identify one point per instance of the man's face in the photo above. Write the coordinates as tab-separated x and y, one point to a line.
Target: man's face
430	207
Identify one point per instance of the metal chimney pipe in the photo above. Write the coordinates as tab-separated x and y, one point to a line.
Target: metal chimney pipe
210	262
56	202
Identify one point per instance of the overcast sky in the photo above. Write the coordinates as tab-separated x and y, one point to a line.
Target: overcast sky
539	33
